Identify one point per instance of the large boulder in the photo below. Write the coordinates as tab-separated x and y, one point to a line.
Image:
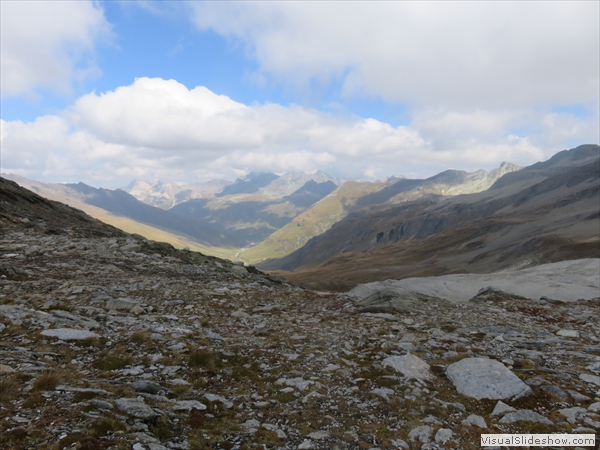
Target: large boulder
486	378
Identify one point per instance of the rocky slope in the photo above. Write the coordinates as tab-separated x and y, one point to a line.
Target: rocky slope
544	213
110	341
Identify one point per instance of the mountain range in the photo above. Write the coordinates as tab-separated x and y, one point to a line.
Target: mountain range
322	232
543	213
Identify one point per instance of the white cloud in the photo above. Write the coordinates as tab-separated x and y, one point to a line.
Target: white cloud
48	44
159	129
434	54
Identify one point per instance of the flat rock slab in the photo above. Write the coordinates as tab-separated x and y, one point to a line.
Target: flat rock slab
410	366
486	378
524	415
69	334
121	304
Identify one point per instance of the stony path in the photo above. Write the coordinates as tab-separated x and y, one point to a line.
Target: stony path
118	342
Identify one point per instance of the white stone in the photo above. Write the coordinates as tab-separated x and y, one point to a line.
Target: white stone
188	405
443	435
501	408
524	415
595	379
410	366
486	378
69	334
568	333
476	420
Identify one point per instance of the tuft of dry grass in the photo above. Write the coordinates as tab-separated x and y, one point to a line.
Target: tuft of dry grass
47	381
140	337
8	389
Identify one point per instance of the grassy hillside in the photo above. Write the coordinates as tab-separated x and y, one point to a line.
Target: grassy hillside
314	221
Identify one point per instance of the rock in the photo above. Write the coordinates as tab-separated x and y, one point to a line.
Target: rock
69	334
306	444
149	387
383	393
556	391
568	333
577	396
524	415
318	435
217	398
136	408
486	378
4	369
595	407
188	405
121	304
594	379
101	404
399	443
388	300
476	420
443	435
594	367
573	414
410	366
422	433
501	408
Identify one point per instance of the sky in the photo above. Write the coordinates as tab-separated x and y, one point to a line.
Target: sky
108	92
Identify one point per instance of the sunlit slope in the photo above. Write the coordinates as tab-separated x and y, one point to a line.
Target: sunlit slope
62	193
317	219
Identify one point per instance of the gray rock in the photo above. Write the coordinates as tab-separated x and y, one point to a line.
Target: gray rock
217	398
383	393
399	443
188	405
149	387
501	408
486	378
69	334
524	415
578	396
595	379
410	366
443	435
556	391
136	408
594	367
573	414
595	407
568	333
422	433
476	420
101	404
121	304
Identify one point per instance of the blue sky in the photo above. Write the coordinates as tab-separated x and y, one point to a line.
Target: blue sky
103	92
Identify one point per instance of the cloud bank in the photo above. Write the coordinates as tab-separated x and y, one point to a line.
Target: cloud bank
160	129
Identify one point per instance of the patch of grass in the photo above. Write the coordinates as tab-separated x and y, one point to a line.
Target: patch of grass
285	397
82	396
102	427
60	306
161	427
180	391
205	359
111	362
47	381
90	342
34	400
